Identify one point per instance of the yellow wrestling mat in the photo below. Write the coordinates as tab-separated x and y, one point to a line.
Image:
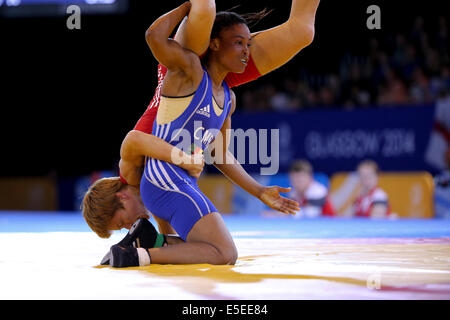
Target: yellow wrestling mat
64	265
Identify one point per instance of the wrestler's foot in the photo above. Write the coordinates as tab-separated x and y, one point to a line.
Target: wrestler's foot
127	256
142	234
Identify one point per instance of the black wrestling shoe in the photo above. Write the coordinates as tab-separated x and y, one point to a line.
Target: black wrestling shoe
142	234
127	256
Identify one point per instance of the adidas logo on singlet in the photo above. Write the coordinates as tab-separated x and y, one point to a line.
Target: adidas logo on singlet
205	111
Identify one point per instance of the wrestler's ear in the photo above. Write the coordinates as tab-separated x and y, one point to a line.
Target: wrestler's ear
122	195
214	44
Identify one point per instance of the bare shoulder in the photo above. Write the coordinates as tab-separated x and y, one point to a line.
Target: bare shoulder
189	66
233	101
183	80
232	95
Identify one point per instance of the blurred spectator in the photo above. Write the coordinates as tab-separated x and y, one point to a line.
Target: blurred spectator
420	90
438	155
409	67
442	194
372	201
394	92
310	194
438	149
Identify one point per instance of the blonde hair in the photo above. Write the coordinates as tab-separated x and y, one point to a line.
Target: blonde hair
100	204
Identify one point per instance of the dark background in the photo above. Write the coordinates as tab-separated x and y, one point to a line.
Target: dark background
68	97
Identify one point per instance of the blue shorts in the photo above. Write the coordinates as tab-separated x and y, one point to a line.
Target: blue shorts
171	194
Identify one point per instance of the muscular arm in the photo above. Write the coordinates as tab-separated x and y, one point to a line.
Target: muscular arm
195	29
289	38
167	51
138	145
184	67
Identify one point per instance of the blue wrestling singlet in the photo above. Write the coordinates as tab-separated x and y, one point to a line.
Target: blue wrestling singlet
167	190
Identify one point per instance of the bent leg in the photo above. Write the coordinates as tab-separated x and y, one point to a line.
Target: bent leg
209	241
194	218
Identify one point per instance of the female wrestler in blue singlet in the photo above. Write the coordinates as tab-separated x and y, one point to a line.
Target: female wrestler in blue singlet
195	100
169	191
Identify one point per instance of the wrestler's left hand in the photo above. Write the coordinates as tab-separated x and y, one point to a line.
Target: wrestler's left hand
271	197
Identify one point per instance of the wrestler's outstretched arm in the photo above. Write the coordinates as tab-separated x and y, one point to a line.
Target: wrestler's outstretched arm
233	170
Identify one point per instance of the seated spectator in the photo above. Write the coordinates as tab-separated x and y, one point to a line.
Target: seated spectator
372	201
310	194
402	67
